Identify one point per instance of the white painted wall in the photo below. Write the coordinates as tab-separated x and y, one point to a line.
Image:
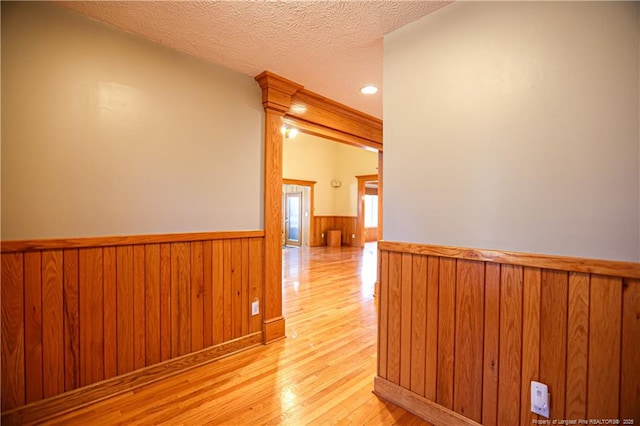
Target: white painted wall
104	133
311	158
515	126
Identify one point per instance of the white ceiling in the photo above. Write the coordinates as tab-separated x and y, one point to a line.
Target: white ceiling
331	47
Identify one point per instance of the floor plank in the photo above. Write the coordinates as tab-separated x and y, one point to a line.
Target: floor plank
322	373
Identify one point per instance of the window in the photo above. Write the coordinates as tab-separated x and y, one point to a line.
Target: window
370	211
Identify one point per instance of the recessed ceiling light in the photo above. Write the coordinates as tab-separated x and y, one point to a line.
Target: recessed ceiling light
369	90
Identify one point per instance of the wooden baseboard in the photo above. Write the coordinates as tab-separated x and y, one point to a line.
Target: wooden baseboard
39	411
421	407
273	329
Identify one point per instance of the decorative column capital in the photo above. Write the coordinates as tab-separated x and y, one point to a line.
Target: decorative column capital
276	91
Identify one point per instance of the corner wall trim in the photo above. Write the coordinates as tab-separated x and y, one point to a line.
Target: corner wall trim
421	407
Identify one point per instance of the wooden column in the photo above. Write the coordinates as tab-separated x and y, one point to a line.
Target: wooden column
276	99
380	195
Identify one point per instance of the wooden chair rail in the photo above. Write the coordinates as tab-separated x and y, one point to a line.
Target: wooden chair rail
562	263
69	243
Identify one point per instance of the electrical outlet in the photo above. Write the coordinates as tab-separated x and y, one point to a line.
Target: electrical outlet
323	235
353	235
540	399
255	307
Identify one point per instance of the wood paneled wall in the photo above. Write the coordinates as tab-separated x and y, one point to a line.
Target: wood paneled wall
76	312
370	234
346	224
469	329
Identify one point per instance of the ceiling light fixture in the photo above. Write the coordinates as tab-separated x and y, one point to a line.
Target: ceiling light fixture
369	90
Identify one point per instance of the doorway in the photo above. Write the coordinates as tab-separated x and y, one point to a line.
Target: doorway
287	103
368	209
292	219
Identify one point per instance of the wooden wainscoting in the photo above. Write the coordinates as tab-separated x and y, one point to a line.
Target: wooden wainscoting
370	234
346	224
80	311
465	331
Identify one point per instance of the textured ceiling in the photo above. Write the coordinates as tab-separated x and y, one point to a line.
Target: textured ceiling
331	47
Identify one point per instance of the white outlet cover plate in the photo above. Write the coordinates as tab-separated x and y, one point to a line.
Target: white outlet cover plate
255	308
540	399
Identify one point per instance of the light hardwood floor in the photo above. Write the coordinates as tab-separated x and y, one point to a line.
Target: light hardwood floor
322	373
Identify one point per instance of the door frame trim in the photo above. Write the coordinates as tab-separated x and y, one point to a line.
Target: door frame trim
287	102
312	185
300	195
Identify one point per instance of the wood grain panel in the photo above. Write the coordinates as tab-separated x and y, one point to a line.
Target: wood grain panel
110	280
467	387
405	321
530	341
236	288
124	288
510	344
218	291
139	328
370	234
227	292
394	317
256	264
491	345
577	346
197	296
446	332
418	323
180	299
347	225
244	292
85	315
13	385
71	320
152	304
573	330
165	302
630	385
52	318
431	362
33	325
604	358
553	337
207	294
383	322
91	316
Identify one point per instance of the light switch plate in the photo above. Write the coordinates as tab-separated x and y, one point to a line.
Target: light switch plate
540	399
255	308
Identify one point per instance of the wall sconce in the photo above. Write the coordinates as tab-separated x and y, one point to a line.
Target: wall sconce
289	132
336	183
